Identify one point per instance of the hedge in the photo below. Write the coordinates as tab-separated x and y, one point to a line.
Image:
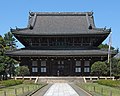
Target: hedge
110	83
7	83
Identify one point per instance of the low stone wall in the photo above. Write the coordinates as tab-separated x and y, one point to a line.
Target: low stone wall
48	79
95	78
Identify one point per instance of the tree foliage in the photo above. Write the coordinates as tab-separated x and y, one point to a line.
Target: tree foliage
105	47
22	70
7	64
118	68
103	68
2	67
10	40
115	66
99	68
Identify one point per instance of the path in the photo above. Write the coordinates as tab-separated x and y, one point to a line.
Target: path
61	89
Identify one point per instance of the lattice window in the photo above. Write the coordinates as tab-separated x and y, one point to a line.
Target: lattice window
43	63
86	69
86	63
34	69
62	62
34	63
78	63
43	70
78	69
58	62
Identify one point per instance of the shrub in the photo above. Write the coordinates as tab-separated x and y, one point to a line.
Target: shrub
110	83
28	82
7	83
18	82
99	68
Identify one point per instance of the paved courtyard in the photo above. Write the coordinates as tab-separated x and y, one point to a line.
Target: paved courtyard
61	89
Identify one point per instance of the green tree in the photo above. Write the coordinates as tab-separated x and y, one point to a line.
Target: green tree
3	47
105	47
10	40
115	67
118	67
10	66
22	71
7	66
2	67
11	43
99	68
7	43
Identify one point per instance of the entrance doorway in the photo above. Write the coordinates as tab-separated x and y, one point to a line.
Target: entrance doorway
60	71
60	68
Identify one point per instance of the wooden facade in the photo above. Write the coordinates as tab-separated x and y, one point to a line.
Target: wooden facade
60	44
59	66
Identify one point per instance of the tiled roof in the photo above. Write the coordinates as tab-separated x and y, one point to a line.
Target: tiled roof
43	23
25	52
37	32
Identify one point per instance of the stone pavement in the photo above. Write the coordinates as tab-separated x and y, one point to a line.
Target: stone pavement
42	91
61	89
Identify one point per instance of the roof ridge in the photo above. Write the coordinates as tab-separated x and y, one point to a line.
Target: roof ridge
31	25
61	13
18	29
102	29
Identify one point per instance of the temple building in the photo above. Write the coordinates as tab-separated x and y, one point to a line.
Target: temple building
60	43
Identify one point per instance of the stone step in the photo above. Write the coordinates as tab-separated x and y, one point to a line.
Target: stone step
60	79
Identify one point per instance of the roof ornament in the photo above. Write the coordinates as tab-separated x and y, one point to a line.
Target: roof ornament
92	12
31	27
105	28
117	50
90	26
30	14
16	27
91	16
11	29
110	30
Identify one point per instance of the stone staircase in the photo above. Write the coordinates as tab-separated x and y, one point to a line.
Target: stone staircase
60	79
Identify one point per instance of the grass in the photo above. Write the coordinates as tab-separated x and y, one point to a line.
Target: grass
19	89
100	90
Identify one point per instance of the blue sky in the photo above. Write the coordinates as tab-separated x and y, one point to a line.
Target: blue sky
106	13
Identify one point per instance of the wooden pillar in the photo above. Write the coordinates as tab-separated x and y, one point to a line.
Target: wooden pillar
72	67
73	41
82	67
50	72
48	42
